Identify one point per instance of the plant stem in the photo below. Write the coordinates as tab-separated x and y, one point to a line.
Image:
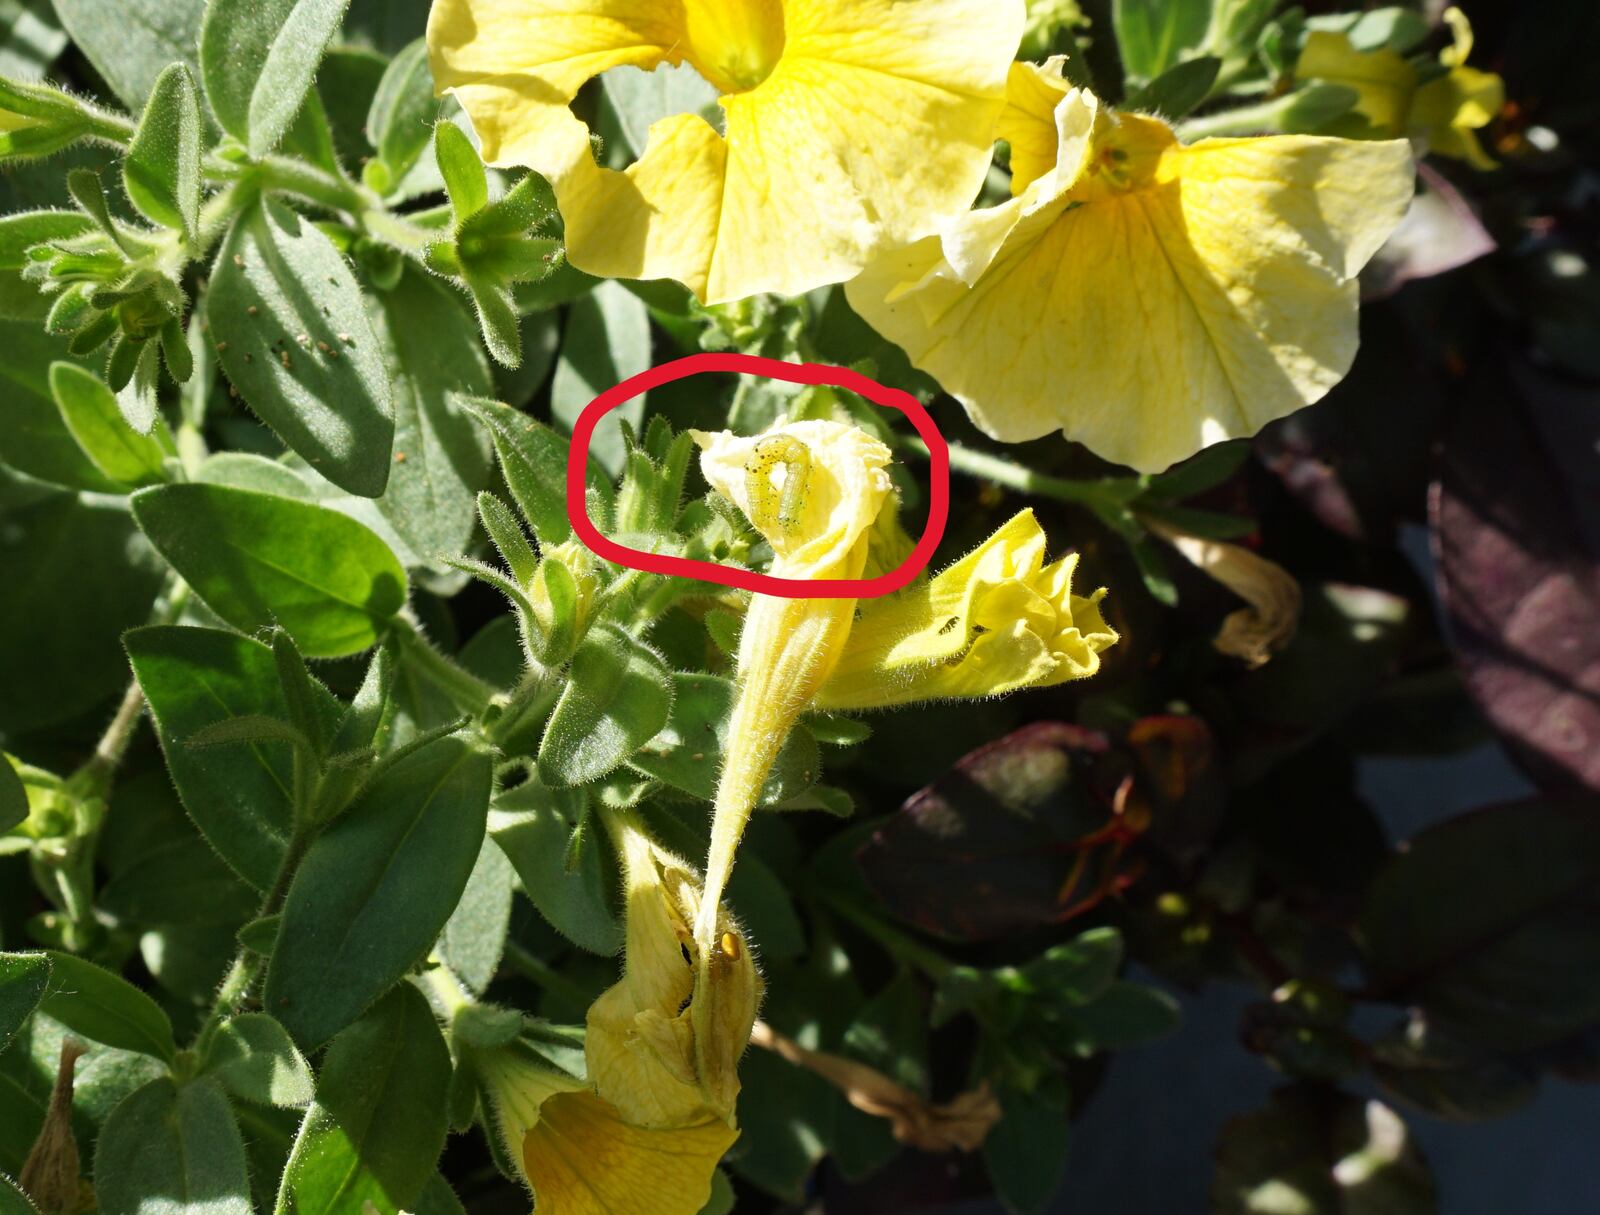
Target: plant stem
1097	495
530	966
470	694
113	744
900	945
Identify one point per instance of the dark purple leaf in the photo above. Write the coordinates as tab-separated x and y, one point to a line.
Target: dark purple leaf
1517	529
1490	922
988	849
1440	233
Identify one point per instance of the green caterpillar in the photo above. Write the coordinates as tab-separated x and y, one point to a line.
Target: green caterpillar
773	508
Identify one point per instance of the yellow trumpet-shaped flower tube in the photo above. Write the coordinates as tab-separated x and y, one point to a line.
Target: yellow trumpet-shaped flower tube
815	491
850	126
1143	297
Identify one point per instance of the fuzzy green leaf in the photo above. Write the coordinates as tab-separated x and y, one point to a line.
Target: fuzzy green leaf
177	1150
292	334
259	560
376	889
90	412
254	1058
162	170
24	978
106	1008
258	59
618	697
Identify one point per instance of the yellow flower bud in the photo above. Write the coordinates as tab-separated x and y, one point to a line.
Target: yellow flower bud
997	620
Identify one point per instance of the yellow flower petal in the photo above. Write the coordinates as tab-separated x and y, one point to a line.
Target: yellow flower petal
850	125
1448	111
581	1158
657	1057
813	489
1146	298
1028	123
1269	624
997	620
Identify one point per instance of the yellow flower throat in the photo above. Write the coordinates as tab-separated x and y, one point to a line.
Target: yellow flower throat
734	44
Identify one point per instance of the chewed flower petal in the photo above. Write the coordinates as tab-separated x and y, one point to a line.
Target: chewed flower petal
996	621
1196	293
813	489
850	125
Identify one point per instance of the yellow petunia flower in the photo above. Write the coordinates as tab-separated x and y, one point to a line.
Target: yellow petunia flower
998	620
663	1053
1143	297
851	125
815	490
1444	114
581	1157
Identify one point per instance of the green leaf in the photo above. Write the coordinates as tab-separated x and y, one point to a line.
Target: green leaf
20	232
77	574
404	109
33	438
259	560
441	459
1179	89
533	459
253	1057
162	170
607	341
379	1120
90	412
618	697
23	981
1077	971
13	797
31	40
106	1008
293	337
176	1150
533	825
1153	34
131	42
1207	470
640	99
1026	1151
180	881
258	59
12	1200
464	176
239	797
475	936
376	889
1125	1014
687	753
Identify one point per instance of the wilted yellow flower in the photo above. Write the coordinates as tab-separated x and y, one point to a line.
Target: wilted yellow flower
850	125
663	1052
1392	100
1143	297
581	1157
1257	632
997	620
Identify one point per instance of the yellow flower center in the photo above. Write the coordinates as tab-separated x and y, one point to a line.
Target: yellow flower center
734	44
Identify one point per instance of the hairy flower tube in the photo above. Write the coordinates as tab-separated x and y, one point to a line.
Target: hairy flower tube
1393	98
850	126
1143	297
998	620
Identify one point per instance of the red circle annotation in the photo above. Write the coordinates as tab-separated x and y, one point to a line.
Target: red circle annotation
752	580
